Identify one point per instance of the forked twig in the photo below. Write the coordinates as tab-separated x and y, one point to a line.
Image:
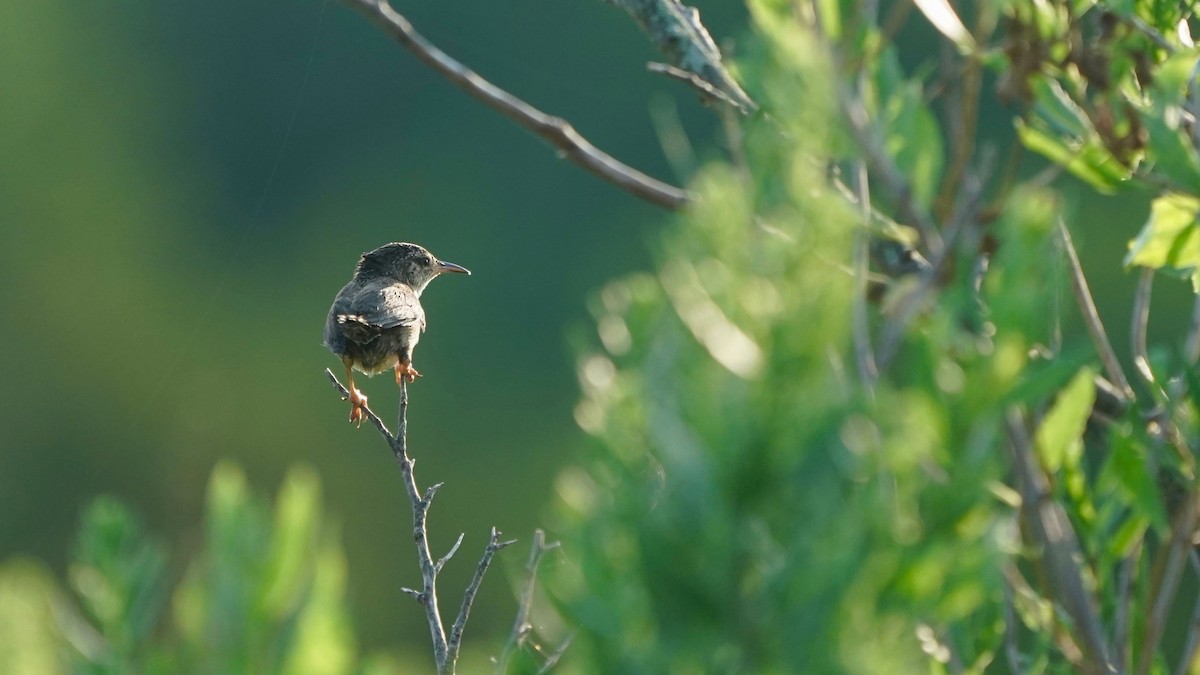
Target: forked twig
521	625
445	650
456	631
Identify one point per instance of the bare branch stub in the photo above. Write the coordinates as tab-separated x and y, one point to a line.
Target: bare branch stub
678	33
555	130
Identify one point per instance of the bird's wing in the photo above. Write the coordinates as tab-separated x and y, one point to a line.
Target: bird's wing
381	307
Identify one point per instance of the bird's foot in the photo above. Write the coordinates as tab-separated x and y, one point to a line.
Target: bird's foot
358	401
405	372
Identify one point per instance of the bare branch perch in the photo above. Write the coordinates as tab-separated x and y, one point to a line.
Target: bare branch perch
555	130
445	651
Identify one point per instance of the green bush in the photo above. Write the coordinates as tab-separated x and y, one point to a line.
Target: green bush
265	594
756	499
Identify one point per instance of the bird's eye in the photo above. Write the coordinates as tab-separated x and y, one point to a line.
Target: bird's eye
426	260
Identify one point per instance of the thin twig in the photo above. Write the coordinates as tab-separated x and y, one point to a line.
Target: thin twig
456	631
449	554
1121	621
1192	344
555	130
864	352
1091	317
1170	568
445	650
521	625
1145	29
553	657
890	175
1139	325
1193	640
1051	530
707	91
1012	651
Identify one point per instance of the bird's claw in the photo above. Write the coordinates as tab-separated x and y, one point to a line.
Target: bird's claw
406	373
358	401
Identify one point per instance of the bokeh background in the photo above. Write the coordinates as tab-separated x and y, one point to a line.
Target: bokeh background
184	187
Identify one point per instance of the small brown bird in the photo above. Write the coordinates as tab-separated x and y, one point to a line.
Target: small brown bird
377	318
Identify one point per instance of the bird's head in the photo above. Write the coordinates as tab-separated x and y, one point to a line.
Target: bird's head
407	263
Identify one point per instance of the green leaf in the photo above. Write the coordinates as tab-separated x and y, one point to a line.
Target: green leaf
1122	542
119	574
1055	107
1173	76
1171	151
943	18
1128	465
1170	238
1059	437
913	136
31	640
1087	161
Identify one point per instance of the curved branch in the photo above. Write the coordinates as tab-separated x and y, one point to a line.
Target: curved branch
555	130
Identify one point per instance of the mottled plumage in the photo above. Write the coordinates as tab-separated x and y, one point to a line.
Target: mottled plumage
377	318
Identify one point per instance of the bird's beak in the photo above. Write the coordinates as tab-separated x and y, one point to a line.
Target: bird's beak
443	267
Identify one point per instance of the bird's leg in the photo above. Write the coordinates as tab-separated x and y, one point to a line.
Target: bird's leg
405	370
358	400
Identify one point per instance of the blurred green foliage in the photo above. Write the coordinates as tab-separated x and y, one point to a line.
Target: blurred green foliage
264	594
753	503
748	500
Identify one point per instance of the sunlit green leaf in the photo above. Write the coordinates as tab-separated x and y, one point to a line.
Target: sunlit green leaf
912	134
1059	435
1087	161
1055	107
1128	464
1127	536
942	16
1171	151
1174	75
1170	238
